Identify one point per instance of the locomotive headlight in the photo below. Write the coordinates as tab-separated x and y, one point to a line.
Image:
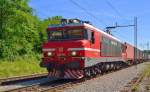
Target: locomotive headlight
49	54
73	53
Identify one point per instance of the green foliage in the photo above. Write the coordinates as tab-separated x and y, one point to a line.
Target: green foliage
44	24
19	29
22	66
146	72
135	88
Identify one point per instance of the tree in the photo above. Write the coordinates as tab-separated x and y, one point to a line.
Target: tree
49	21
18	28
43	25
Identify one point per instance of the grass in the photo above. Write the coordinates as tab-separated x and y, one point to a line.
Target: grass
21	66
145	74
146	71
135	88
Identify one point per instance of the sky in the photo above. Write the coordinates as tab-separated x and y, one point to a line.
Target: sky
102	13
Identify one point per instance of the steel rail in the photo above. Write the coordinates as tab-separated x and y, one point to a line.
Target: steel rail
10	80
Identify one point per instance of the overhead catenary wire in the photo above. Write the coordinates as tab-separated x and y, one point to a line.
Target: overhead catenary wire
85	10
114	8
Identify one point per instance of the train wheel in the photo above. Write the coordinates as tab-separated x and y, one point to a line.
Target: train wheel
112	66
129	63
93	72
108	67
103	68
48	69
87	73
117	66
98	70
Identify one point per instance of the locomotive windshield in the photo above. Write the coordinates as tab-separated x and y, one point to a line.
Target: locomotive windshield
73	34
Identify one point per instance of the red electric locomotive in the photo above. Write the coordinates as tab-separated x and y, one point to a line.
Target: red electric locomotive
76	49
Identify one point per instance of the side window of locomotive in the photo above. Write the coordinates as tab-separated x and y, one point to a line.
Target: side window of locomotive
85	33
105	47
89	34
110	47
92	38
116	48
102	47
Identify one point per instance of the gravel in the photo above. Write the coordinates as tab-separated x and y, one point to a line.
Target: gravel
144	86
23	84
112	82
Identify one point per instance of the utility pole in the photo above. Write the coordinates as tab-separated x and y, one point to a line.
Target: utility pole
147	49
135	34
147	46
135	39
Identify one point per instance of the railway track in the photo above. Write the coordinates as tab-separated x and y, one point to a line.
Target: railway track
56	85
40	86
17	79
134	82
12	80
45	86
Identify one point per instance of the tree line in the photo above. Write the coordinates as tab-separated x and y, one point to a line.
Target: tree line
20	29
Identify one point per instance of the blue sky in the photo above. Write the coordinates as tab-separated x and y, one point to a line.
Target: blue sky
106	15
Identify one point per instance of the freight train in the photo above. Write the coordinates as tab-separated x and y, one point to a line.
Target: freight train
76	49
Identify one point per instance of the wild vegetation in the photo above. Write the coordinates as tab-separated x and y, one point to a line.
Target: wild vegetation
21	35
145	75
146	72
19	29
20	67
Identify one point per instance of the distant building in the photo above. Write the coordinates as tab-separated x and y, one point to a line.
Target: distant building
148	52
149	56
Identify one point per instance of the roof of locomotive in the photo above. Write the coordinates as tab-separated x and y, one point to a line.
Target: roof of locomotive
102	32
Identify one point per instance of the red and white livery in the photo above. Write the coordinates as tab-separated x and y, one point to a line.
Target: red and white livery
76	49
